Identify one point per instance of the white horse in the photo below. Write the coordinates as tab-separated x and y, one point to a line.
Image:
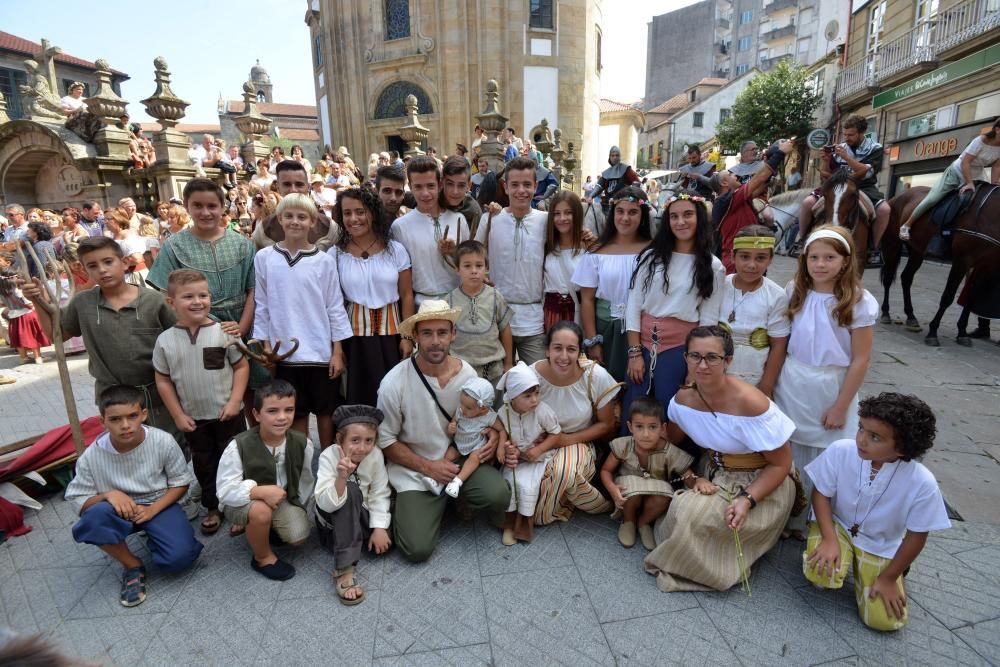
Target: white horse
785	208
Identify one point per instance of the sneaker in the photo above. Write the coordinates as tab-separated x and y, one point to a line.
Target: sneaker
432	485
904	233
453	487
796	249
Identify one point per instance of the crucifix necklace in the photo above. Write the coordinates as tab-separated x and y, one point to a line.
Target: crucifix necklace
856	526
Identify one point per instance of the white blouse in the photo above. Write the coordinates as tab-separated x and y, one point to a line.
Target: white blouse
764	307
903	496
681	299
985	156
732	434
610	274
574	404
559	268
373	282
816	337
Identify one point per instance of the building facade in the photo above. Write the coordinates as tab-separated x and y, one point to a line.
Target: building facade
368	56
924	73
620	126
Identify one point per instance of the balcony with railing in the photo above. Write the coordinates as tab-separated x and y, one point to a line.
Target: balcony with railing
780	5
961	25
771	61
911	53
782	32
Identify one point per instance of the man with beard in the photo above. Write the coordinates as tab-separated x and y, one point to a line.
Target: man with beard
418	398
390	183
612	179
291	176
696	174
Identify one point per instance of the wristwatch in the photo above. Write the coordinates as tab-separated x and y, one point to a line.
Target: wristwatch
596	340
746	494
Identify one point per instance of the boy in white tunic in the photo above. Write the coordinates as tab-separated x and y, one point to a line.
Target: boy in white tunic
430	233
298	296
532	427
873	505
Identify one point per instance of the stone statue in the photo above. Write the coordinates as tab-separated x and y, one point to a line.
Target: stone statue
40	101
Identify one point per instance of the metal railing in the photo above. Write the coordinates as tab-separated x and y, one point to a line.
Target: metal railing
856	77
965	21
908	50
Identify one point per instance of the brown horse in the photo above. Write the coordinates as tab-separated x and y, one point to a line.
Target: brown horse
975	246
842	207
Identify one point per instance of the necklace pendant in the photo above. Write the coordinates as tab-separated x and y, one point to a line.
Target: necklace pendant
732	315
364	255
854	530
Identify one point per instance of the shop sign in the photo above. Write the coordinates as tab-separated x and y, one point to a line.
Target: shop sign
818	138
939	77
948	143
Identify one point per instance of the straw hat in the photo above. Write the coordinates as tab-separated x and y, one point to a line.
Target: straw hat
431	309
316	178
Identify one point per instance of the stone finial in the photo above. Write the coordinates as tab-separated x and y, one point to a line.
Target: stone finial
557	154
105	103
569	163
545	143
4	118
492	122
163	105
412	132
251	123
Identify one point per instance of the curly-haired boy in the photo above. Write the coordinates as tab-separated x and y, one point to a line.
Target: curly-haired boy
874	504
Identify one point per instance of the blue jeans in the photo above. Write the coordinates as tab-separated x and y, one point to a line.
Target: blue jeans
170	537
669	375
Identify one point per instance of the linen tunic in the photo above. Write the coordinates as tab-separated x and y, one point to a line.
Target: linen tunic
200	366
433	277
372	479
817	339
517	260
762	308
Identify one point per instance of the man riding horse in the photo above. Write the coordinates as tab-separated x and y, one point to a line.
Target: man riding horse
861	156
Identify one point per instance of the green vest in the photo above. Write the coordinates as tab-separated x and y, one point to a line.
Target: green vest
258	462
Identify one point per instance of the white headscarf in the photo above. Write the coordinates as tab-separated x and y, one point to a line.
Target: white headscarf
481	390
517	380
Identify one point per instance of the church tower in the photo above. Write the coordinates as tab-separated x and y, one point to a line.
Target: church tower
262	80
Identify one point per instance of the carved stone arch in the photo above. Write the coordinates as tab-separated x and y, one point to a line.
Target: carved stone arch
397	88
37	167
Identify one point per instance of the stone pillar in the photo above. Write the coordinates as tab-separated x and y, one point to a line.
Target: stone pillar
569	168
171	145
492	122
4	118
253	126
413	133
111	140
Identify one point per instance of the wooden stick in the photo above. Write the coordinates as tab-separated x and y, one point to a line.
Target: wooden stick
55	316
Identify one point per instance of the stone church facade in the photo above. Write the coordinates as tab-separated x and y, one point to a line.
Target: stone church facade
368	55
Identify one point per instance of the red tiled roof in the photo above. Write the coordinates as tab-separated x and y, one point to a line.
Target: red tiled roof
298	134
186	128
9	42
711	81
609	106
275	109
675	103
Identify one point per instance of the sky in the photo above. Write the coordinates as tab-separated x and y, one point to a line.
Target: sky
210	45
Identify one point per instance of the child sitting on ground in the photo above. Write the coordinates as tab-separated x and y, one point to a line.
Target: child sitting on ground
532	427
131	480
201	380
873	505
484	338
352	496
475	415
265	479
646	463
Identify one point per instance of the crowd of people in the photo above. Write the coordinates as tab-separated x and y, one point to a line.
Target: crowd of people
482	349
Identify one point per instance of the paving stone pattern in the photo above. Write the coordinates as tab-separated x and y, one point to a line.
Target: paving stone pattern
573	596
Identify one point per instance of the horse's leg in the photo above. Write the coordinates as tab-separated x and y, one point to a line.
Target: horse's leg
955	277
963	323
913	263
861	247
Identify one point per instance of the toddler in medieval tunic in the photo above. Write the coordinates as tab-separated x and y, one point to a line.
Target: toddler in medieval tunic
474	417
643	466
265	479
532	427
352	496
873	505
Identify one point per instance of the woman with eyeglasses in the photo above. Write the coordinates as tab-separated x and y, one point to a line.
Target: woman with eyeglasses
709	540
676	285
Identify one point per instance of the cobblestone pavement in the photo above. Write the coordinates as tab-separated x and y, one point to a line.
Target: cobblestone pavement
573	596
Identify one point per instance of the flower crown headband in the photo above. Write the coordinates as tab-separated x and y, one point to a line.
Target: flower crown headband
643	203
686	197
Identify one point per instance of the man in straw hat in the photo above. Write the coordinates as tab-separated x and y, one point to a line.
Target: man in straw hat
419	397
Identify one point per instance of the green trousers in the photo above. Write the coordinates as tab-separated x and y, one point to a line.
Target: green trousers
416	522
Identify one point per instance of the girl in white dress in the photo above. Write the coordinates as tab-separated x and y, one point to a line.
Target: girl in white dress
603	275
753	308
833	324
564	246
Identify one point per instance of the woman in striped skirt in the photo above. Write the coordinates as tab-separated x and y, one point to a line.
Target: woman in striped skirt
375	278
583	395
750	462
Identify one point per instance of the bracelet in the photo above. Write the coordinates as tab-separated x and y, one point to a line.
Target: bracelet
634	348
591	342
746	494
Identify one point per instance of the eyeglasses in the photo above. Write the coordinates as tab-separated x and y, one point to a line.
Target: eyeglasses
711	358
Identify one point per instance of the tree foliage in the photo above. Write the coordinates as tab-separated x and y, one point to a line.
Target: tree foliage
775	104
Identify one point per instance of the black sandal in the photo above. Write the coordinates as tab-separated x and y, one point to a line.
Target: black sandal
133	587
